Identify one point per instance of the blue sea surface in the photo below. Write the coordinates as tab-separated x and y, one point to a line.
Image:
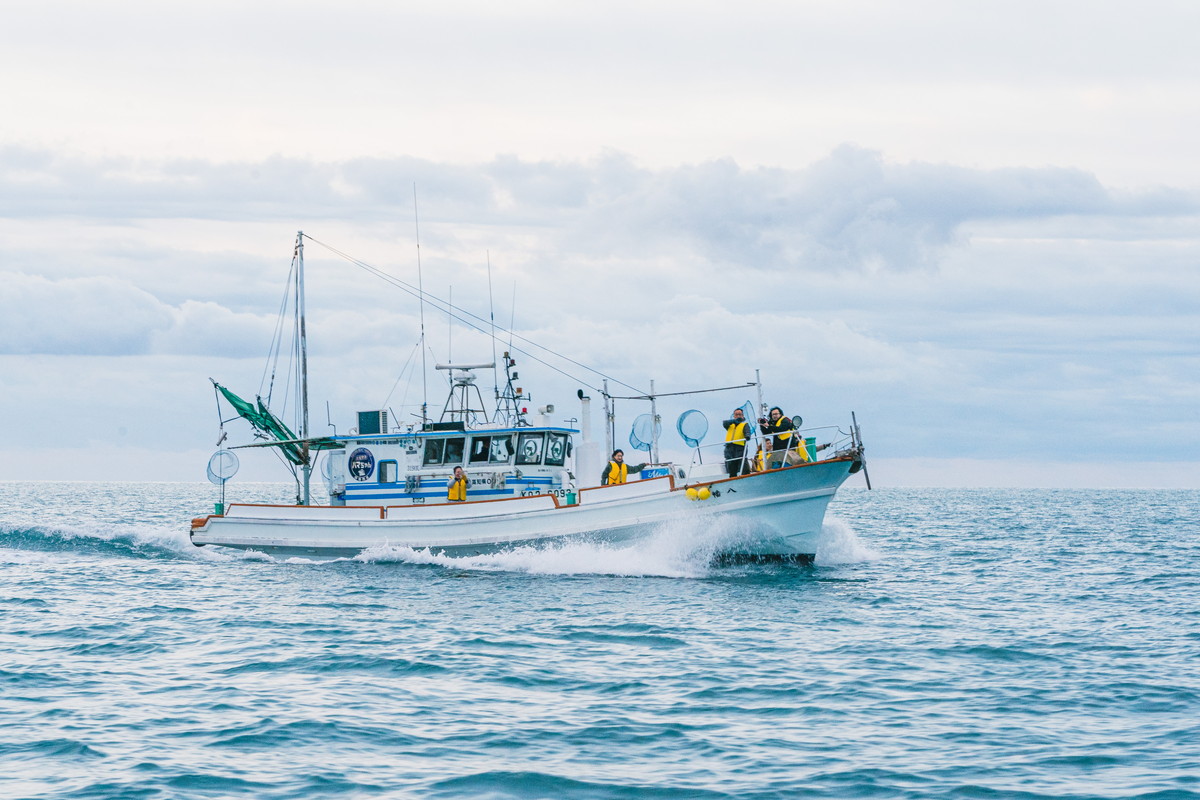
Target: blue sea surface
946	644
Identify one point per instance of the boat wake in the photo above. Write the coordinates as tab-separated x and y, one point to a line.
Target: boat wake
674	550
112	540
671	552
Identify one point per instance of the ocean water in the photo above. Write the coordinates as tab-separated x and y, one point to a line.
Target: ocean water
946	644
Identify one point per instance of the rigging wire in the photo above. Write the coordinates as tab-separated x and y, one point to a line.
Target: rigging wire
276	348
679	394
400	377
409	385
492	315
512	318
273	352
443	305
296	378
420	283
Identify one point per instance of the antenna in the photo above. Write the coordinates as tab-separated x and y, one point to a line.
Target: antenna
421	292
513	321
450	326
492	314
657	423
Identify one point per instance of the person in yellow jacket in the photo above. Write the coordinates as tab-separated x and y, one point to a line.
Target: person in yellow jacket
617	470
737	431
779	428
456	488
799	452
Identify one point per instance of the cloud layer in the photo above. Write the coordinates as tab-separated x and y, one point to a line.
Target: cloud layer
972	313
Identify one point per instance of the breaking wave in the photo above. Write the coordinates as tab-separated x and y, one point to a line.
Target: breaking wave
109	540
105	540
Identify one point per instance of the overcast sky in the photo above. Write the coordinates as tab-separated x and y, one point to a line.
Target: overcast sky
974	224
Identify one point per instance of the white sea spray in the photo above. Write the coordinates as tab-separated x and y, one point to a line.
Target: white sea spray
840	544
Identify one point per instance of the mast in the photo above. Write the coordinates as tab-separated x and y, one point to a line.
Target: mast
307	465
762	407
609	419
654	420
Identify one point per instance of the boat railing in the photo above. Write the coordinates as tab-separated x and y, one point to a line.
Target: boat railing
822	443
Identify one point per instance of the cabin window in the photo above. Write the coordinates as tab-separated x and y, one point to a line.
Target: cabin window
388	471
480	447
454	451
502	450
529	448
433	451
556	449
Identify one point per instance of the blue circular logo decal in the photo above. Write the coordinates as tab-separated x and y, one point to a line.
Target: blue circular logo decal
362	464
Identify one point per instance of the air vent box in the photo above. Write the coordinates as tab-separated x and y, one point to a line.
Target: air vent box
370	422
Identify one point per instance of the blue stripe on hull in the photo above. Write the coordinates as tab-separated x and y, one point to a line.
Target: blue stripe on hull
514	488
426	495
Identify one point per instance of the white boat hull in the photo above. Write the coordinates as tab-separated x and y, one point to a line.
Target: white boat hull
766	515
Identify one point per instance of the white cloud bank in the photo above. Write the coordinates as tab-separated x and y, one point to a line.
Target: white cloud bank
108	317
994	315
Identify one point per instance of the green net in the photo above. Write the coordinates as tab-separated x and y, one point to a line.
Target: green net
266	423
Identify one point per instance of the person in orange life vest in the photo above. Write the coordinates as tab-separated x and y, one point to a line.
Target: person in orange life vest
779	426
456	488
617	470
737	431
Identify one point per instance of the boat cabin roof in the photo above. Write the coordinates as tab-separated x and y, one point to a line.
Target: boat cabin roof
396	437
548	446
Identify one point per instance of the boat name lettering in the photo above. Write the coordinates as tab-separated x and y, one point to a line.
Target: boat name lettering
418	500
362	464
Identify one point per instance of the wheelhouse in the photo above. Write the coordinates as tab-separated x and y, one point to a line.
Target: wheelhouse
416	466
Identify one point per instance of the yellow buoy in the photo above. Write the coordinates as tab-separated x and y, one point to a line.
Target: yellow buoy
704	493
692	493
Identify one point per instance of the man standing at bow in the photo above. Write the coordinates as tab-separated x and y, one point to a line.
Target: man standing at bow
737	431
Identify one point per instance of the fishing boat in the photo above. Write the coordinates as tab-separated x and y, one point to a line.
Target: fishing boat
524	481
